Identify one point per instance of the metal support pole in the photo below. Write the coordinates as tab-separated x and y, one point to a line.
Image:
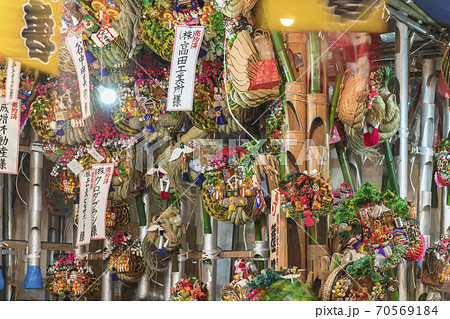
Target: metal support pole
167	281
209	266
402	74
62	229
445	207
52	238
33	278
8	222
143	290
426	146
426	157
107	283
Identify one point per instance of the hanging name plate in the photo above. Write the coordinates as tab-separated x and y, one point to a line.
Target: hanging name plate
102	180
187	44
76	48
278	235
12	81
85	207
9	136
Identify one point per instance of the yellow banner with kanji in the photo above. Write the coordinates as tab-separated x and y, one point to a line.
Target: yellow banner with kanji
325	15
29	32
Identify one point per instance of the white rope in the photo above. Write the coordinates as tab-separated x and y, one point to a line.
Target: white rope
412	160
17	179
183	255
211	254
427	151
403	132
36	254
244	232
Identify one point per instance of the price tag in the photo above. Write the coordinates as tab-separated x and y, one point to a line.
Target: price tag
75	167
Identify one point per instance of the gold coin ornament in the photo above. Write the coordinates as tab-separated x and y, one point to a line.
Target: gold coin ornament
70	278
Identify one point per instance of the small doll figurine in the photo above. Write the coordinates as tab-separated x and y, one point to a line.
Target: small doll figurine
59	128
148	123
240	270
218	106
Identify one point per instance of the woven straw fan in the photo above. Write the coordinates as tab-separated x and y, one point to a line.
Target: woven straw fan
242	53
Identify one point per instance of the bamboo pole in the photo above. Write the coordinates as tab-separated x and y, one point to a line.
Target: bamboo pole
405	8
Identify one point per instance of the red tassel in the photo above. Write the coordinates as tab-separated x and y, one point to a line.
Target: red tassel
371	139
164	195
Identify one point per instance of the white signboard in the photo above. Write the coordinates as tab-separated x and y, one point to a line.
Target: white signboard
9	136
188	41
85	207
12	81
102	181
76	48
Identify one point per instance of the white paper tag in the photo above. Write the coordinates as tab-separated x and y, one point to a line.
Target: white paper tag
12	81
76	48
9	136
102	181
96	155
104	36
187	43
75	167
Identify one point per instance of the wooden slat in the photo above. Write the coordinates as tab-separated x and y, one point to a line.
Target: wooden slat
22	244
24	149
223	254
